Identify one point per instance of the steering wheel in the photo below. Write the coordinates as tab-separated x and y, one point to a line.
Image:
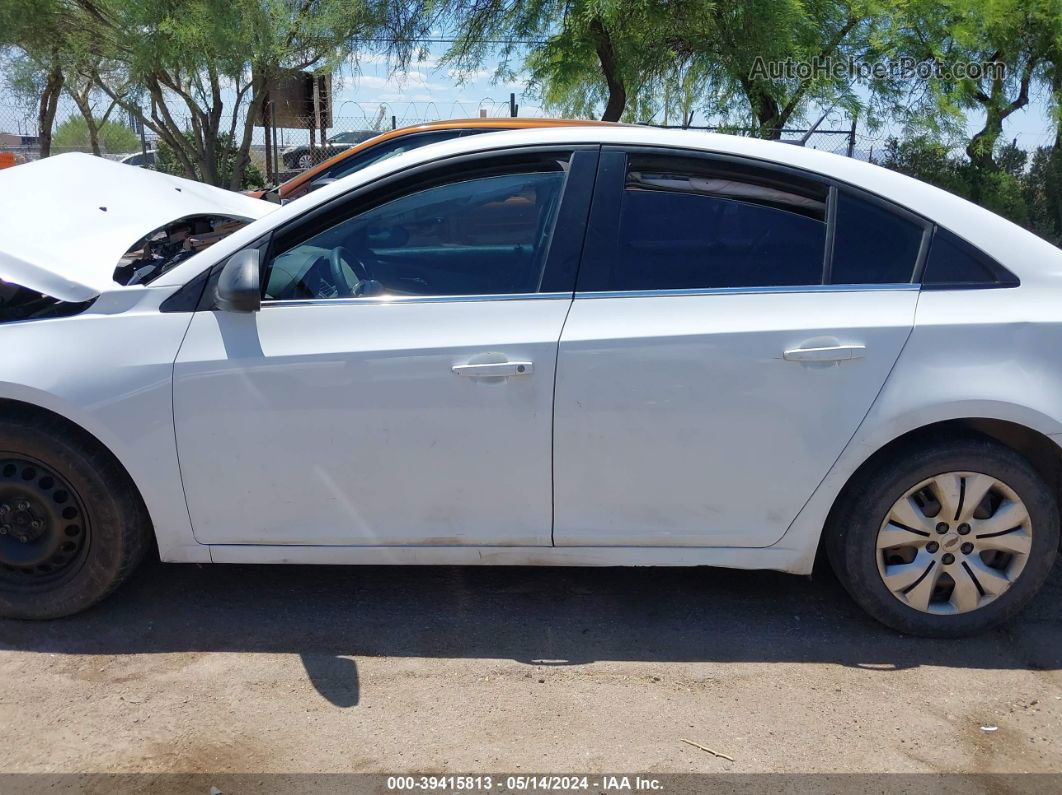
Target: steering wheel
336	259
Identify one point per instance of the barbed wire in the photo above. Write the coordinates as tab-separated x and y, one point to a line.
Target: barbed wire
18	128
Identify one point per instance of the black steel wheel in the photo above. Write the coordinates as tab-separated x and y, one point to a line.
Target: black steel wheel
72	524
44	527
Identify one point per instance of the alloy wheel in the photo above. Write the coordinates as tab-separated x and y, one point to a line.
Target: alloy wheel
954	543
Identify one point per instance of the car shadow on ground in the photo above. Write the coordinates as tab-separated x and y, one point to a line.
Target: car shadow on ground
555	616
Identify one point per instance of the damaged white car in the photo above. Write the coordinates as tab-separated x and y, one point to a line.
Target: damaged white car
579	346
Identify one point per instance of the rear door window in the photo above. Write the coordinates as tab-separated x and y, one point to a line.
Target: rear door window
685	225
873	244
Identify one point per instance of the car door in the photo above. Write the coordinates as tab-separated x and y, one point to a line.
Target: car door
732	326
396	386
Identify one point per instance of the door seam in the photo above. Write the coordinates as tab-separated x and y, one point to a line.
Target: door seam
173	424
588	215
553	432
859	425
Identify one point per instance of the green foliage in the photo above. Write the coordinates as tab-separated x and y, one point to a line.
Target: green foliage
73	136
226	157
23	78
1043	192
929	160
672	57
567	71
195	71
1022	36
1031	197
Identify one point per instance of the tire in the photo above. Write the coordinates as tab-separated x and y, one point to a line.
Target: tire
72	525
979	595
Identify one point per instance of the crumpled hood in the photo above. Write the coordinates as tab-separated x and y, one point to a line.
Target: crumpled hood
65	221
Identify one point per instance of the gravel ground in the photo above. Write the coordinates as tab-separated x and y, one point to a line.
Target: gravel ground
298	669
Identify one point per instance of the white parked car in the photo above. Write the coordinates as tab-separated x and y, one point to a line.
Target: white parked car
146	159
577	346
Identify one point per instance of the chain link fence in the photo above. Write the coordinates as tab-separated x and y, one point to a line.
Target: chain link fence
848	142
278	153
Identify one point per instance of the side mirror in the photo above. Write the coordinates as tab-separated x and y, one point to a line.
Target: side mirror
239	284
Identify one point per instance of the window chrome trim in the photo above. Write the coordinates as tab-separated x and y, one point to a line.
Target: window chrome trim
809	288
384	300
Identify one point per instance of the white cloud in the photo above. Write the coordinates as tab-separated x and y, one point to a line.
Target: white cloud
423	90
399	82
470	76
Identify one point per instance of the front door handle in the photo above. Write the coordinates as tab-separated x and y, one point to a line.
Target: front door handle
832	353
493	369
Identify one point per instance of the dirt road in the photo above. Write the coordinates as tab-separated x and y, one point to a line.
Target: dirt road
258	669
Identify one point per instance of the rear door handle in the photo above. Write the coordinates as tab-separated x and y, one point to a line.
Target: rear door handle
832	353
493	369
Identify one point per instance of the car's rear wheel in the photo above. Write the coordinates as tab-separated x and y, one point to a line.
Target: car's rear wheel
945	539
72	526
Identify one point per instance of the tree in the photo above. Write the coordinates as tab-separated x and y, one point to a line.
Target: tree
646	54
580	54
52	51
202	66
80	85
1029	196
37	35
76	134
1014	45
227	157
929	160
1043	191
738	42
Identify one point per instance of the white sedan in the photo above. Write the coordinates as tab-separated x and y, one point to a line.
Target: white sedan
579	346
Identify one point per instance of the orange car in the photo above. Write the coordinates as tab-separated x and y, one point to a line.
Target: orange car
395	142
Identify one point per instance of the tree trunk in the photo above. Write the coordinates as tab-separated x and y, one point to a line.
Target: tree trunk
606	54
82	102
255	110
53	87
764	107
981	149
982	146
167	128
94	138
159	121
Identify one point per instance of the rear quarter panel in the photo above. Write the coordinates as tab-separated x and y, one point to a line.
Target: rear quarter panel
991	353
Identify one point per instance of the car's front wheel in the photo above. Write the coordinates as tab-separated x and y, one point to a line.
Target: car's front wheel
72	526
945	539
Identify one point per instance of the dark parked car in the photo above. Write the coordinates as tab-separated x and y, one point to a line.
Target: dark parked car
304	157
